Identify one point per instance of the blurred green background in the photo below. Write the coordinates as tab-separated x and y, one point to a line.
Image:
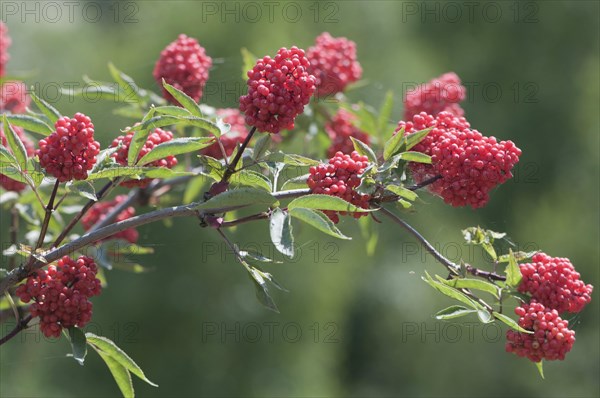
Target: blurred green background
352	324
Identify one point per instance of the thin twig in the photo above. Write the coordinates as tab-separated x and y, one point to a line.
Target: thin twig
20	326
253	217
231	168
47	216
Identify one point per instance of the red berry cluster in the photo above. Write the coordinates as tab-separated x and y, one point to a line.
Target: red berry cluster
469	163
440	94
155	138
340	177
278	89
70	152
184	65
236	134
8	183
551	339
101	209
4	44
14	97
553	282
333	63
340	128
61	294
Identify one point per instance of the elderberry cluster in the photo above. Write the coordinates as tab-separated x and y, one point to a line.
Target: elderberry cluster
183	64
158	136
333	63
340	177
61	294
340	128
237	133
14	97
278	89
469	163
4	44
70	152
441	94
100	210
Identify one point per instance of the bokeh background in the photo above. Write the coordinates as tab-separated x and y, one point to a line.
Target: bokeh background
352	324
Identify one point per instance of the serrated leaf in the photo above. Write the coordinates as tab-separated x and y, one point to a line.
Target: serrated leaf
261	146
325	202
51	113
296	182
510	322
30	123
402	192
410	140
280	228
120	374
184	100
167	120
7	158
14	143
78	344
519	256
251	178
83	188
176	146
318	220
454	311
110	348
239	197
451	292
470	283
211	167
172	110
513	271
364	150
139	139
417	157
126	83
393	145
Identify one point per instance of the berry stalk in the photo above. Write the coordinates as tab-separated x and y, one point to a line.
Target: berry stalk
231	168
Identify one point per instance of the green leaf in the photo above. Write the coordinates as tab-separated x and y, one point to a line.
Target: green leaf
30	123
120	374
262	290
78	344
280	228
126	83
410	140
261	146
249	60
14	143
318	220
454	311
402	192
51	113
175	147
291	159
450	292
519	256
385	111
211	167
296	182
172	110
117	171
540	367
240	197
7	158
135	146
485	316
393	145
83	188
251	178
513	271
510	322
185	100
166	120
325	202
364	150
415	157
469	283
110	348
95	91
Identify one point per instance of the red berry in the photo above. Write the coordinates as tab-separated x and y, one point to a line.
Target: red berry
440	94
4	44
333	63
155	138
551	339
184	65
553	282
60	294
236	134
340	128
70	152
100	210
6	182
14	97
340	178
278	89
470	164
